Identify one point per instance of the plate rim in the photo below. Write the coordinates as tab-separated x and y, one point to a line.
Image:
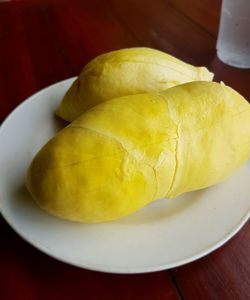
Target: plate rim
136	270
30	98
105	268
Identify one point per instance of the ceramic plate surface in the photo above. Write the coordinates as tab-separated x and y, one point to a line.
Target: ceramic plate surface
165	234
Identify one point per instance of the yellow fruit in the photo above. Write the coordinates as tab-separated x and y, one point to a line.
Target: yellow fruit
126	72
129	151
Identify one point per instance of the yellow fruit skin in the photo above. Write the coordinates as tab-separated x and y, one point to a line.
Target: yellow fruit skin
127	152
126	72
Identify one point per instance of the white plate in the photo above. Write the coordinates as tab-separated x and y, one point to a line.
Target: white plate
163	235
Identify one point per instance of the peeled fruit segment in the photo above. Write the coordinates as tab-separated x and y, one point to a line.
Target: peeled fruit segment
126	72
129	151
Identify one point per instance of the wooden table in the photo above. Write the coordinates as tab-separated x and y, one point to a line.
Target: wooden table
42	42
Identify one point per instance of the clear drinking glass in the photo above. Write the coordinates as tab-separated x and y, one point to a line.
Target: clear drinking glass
233	43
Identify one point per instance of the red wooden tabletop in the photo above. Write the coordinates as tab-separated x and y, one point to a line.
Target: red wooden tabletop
42	42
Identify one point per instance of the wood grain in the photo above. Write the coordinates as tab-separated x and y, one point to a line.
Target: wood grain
42	42
224	274
159	25
27	273
204	13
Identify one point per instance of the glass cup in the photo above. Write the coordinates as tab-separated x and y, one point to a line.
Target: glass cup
233	43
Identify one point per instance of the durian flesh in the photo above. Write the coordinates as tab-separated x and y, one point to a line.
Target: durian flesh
127	152
126	72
